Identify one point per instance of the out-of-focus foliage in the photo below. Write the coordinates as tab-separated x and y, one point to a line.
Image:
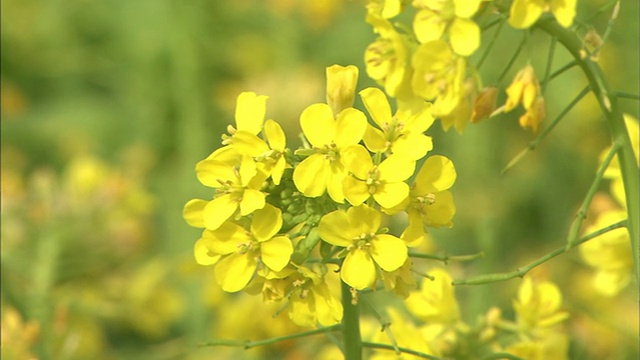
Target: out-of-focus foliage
107	106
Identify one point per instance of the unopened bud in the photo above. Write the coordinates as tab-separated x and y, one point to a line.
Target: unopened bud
341	87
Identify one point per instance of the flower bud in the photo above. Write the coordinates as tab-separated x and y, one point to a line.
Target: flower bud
485	104
341	87
524	89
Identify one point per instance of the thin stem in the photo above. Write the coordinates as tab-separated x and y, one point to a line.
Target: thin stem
501	356
490	45
602	9
582	212
446	258
247	344
559	72
401	349
384	323
522	271
618	129
534	144
493	23
350	325
626	95
513	58
547	71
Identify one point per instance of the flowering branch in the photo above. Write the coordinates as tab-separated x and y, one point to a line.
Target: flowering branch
446	258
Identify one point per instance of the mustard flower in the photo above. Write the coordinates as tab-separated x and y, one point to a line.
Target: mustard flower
237	183
463	111
386	8
401	280
323	170
609	254
548	344
405	334
385	182
240	250
249	115
341	87
311	302
439	76
524	13
453	17
436	301
400	134
538	305
358	231
525	89
269	155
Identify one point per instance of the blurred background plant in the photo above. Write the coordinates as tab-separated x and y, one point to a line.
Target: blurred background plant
107	106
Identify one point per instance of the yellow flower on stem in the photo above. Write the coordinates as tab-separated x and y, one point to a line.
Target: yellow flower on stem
524	13
613	171
341	87
358	231
323	170
436	300
311	302
249	115
400	134
385	182
240	250
525	89
453	17
538	305
269	155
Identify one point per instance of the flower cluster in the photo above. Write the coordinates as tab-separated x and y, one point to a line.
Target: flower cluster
279	218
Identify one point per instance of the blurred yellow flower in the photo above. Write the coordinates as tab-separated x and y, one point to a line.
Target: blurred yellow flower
358	230
311	302
524	13
547	344
538	305
436	301
525	89
613	171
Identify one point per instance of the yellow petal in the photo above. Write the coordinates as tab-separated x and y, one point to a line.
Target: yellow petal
376	103
278	170
328	307
249	144
302	310
235	271
218	210
276	252
363	220
341	86
464	36
311	175
564	11
337	174
193	212
350	127
524	13
413	146
250	110
441	212
318	124
388	251
252	200
436	174
391	194
358	269
335	229
428	26
226	238
357	160
356	191
466	8
266	223
202	254
396	168
275	135
211	173
248	169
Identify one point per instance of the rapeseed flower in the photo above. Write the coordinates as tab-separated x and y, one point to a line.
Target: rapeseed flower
538	305
436	301
311	302
524	13
341	87
358	231
525	89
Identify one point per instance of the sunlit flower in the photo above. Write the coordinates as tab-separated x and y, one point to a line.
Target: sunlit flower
453	17
358	231
269	155
341	87
311	302
538	305
400	134
525	13
436	301
323	169
249	115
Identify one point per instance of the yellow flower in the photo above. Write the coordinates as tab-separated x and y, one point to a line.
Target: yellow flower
609	254
237	182
525	89
405	334
462	113
269	155
613	171
438	74
544	345
485	104
525	13
436	301
400	134
436	17
323	170
341	87
311	302
386	8
239	249
385	182
358	230
250	111
401	280
538	305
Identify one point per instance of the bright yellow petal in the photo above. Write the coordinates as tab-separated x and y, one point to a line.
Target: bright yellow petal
276	252
218	211
252	200
318	124
311	175
356	191
278	170
363	220
211	173
193	212
388	251
436	174
275	135
328	307
266	222
250	110
564	11
249	144
413	146
235	271
248	169
374	139
376	103
396	168
441	212
350	127
524	13
466	8
428	26
226	238
202	254
335	229
357	160
358	269
391	194
464	36
337	174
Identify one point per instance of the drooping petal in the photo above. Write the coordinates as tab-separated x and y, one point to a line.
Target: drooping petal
396	168
436	174
235	271
193	212
350	127
524	13
414	234
388	251
252	200
275	135
356	191
318	124
218	210
266	222
441	212
464	36
311	175
250	111
302	311
202	254
358	269
363	220
357	160
376	103
276	252
278	170
391	194
335	229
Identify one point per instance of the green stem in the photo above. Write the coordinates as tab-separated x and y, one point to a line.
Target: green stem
559	72
534	144
247	344
350	325
618	129
547	70
513	58
490	45
582	212
447	258
401	349
522	271
626	95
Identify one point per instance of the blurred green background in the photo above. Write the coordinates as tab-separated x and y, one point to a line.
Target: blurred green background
108	105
